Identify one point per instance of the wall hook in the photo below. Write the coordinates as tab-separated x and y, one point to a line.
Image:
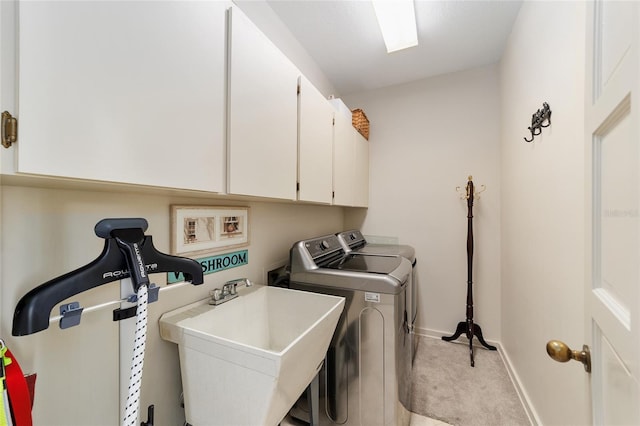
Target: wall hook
538	120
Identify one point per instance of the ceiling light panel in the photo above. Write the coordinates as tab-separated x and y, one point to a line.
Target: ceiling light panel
397	21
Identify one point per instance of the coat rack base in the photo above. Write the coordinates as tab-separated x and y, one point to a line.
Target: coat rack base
469	329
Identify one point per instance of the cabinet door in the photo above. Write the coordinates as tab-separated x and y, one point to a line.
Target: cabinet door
315	144
343	161
361	171
263	107
123	91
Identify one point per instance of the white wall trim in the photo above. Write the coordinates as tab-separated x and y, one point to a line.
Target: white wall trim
522	393
532	414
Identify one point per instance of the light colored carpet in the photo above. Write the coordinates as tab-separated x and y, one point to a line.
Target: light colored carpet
447	388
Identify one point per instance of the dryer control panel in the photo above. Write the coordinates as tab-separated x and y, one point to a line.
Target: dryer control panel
352	239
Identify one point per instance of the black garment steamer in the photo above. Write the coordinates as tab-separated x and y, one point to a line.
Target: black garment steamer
127	253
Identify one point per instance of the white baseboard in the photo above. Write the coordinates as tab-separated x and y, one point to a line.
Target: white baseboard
522	393
513	375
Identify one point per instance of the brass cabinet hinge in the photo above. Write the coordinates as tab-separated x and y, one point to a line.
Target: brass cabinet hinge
9	129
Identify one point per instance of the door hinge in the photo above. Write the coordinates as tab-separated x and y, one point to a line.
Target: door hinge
333	121
298	90
297	186
333	194
9	129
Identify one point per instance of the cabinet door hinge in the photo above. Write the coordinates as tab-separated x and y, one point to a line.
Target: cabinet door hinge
9	129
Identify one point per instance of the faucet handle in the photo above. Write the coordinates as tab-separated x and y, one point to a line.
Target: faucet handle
216	294
229	288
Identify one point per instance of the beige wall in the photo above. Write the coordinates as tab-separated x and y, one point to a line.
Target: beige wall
543	206
426	138
48	232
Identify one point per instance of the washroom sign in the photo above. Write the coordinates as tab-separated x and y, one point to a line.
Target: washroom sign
214	264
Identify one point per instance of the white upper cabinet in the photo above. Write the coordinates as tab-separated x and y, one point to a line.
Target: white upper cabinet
315	145
127	92
343	159
183	95
361	171
262	145
350	164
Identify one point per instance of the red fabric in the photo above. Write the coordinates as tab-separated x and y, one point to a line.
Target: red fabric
19	395
31	384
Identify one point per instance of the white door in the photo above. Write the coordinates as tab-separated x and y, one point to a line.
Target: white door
612	293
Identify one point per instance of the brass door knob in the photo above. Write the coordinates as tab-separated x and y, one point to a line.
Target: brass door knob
560	352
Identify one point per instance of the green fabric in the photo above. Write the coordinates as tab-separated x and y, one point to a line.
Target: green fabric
4	362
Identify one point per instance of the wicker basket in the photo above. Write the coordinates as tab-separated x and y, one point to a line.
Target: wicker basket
360	122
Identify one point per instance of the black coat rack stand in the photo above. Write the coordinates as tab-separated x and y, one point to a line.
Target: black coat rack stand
468	327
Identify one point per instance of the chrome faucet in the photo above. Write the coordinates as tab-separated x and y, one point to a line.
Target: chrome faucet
228	292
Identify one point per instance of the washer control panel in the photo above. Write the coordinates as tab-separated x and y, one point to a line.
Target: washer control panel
323	245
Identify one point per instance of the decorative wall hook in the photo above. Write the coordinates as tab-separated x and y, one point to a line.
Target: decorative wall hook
538	121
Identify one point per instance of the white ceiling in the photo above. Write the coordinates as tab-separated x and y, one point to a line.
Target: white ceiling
343	37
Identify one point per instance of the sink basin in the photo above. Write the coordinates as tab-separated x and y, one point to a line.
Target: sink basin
246	361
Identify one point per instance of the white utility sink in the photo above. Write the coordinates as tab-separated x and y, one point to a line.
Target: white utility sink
246	361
